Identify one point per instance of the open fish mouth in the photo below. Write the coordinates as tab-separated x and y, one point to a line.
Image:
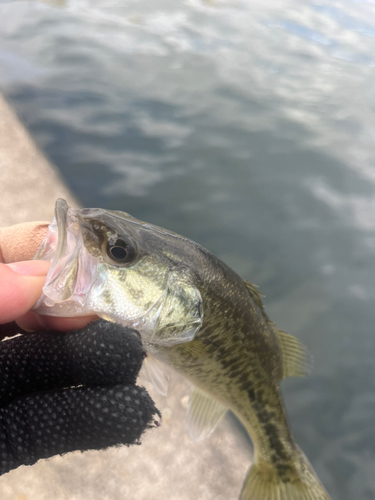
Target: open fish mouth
66	287
54	244
61	212
65	261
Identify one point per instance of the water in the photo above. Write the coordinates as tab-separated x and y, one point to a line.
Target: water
248	127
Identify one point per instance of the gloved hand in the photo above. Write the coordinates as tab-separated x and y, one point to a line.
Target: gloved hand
61	392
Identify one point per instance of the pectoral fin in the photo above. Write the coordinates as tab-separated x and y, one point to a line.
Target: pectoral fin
204	413
157	373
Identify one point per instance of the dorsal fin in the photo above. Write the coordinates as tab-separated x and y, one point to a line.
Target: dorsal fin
295	357
256	295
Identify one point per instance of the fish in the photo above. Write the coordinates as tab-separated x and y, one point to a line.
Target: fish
194	314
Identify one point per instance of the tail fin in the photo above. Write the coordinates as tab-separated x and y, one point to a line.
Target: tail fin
264	483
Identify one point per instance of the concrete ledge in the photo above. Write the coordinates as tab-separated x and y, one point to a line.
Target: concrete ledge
29	185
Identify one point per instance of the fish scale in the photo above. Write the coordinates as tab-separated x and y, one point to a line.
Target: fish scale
195	314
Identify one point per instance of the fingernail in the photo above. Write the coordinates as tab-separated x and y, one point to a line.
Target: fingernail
30	267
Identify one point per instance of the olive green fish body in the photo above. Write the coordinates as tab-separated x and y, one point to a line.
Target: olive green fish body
237	359
195	314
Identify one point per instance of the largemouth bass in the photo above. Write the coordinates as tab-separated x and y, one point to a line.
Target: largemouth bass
195	314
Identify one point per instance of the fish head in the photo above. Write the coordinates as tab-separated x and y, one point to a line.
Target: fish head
122	269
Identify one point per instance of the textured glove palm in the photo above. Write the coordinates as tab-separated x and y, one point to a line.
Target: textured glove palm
61	392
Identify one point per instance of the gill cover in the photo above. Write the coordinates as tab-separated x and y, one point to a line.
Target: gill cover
181	311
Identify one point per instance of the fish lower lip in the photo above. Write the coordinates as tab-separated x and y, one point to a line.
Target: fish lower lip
61	211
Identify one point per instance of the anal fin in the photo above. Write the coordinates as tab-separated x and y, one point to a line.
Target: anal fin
203	415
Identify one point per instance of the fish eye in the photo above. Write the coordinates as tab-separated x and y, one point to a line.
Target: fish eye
120	252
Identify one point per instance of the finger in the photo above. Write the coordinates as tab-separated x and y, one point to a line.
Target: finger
66	324
50	423
102	354
21	241
32	322
21	287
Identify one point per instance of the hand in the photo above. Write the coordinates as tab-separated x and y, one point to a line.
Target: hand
61	392
23	280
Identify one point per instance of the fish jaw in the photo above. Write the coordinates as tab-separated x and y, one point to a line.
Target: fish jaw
73	271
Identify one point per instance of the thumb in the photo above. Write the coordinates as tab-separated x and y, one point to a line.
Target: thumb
21	287
20	242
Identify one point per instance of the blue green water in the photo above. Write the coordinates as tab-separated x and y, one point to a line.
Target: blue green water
249	127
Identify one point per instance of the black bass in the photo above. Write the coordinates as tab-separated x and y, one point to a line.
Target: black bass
195	314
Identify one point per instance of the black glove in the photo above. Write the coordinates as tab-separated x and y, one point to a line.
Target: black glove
61	392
